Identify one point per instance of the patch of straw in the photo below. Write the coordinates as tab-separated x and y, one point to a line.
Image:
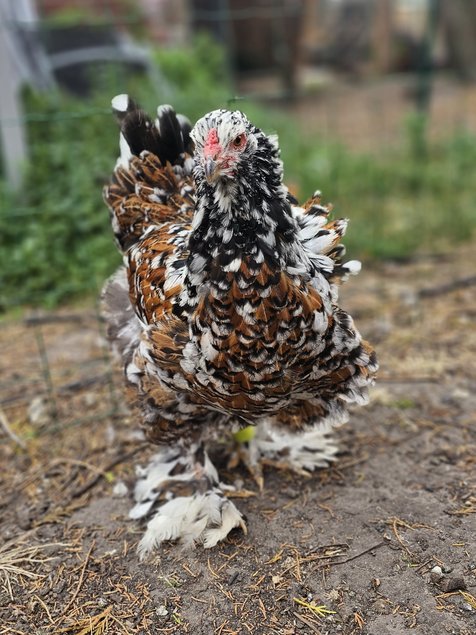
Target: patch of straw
16	558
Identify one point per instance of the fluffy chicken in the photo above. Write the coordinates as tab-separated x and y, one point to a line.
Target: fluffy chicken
225	314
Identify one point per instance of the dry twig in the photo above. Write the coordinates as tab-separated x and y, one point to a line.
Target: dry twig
307	622
81	579
13	557
357	555
9	432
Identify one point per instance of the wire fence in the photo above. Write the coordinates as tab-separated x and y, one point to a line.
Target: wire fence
56	373
55	369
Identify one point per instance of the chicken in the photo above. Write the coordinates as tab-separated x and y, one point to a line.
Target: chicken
224	314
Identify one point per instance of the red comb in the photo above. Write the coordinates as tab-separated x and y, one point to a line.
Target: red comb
212	145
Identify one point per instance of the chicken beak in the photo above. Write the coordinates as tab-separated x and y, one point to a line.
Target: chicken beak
212	171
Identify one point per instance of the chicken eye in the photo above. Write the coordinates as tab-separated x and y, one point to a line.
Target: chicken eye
238	141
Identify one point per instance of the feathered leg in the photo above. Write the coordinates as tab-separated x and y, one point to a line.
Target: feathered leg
300	452
180	495
297	452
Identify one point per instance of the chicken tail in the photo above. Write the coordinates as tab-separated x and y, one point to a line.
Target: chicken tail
167	137
151	181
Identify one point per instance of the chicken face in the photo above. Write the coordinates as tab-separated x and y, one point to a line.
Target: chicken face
223	141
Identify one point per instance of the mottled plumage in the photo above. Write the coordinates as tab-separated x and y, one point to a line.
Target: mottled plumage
225	313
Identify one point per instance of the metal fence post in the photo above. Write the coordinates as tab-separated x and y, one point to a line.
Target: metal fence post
12	131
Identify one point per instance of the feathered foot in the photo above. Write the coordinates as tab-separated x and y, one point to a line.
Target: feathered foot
299	453
179	491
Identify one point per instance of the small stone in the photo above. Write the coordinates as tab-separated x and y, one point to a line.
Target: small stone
382	607
24	518
39	411
90	399
375	583
455	583
436	574
59	587
233	575
120	489
161	611
460	394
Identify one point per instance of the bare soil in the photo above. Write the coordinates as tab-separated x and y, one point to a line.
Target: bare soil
348	551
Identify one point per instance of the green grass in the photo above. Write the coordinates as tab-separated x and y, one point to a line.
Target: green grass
55	238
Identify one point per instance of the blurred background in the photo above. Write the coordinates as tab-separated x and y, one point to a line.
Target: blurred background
374	102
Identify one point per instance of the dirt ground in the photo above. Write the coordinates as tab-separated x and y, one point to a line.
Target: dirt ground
348	551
